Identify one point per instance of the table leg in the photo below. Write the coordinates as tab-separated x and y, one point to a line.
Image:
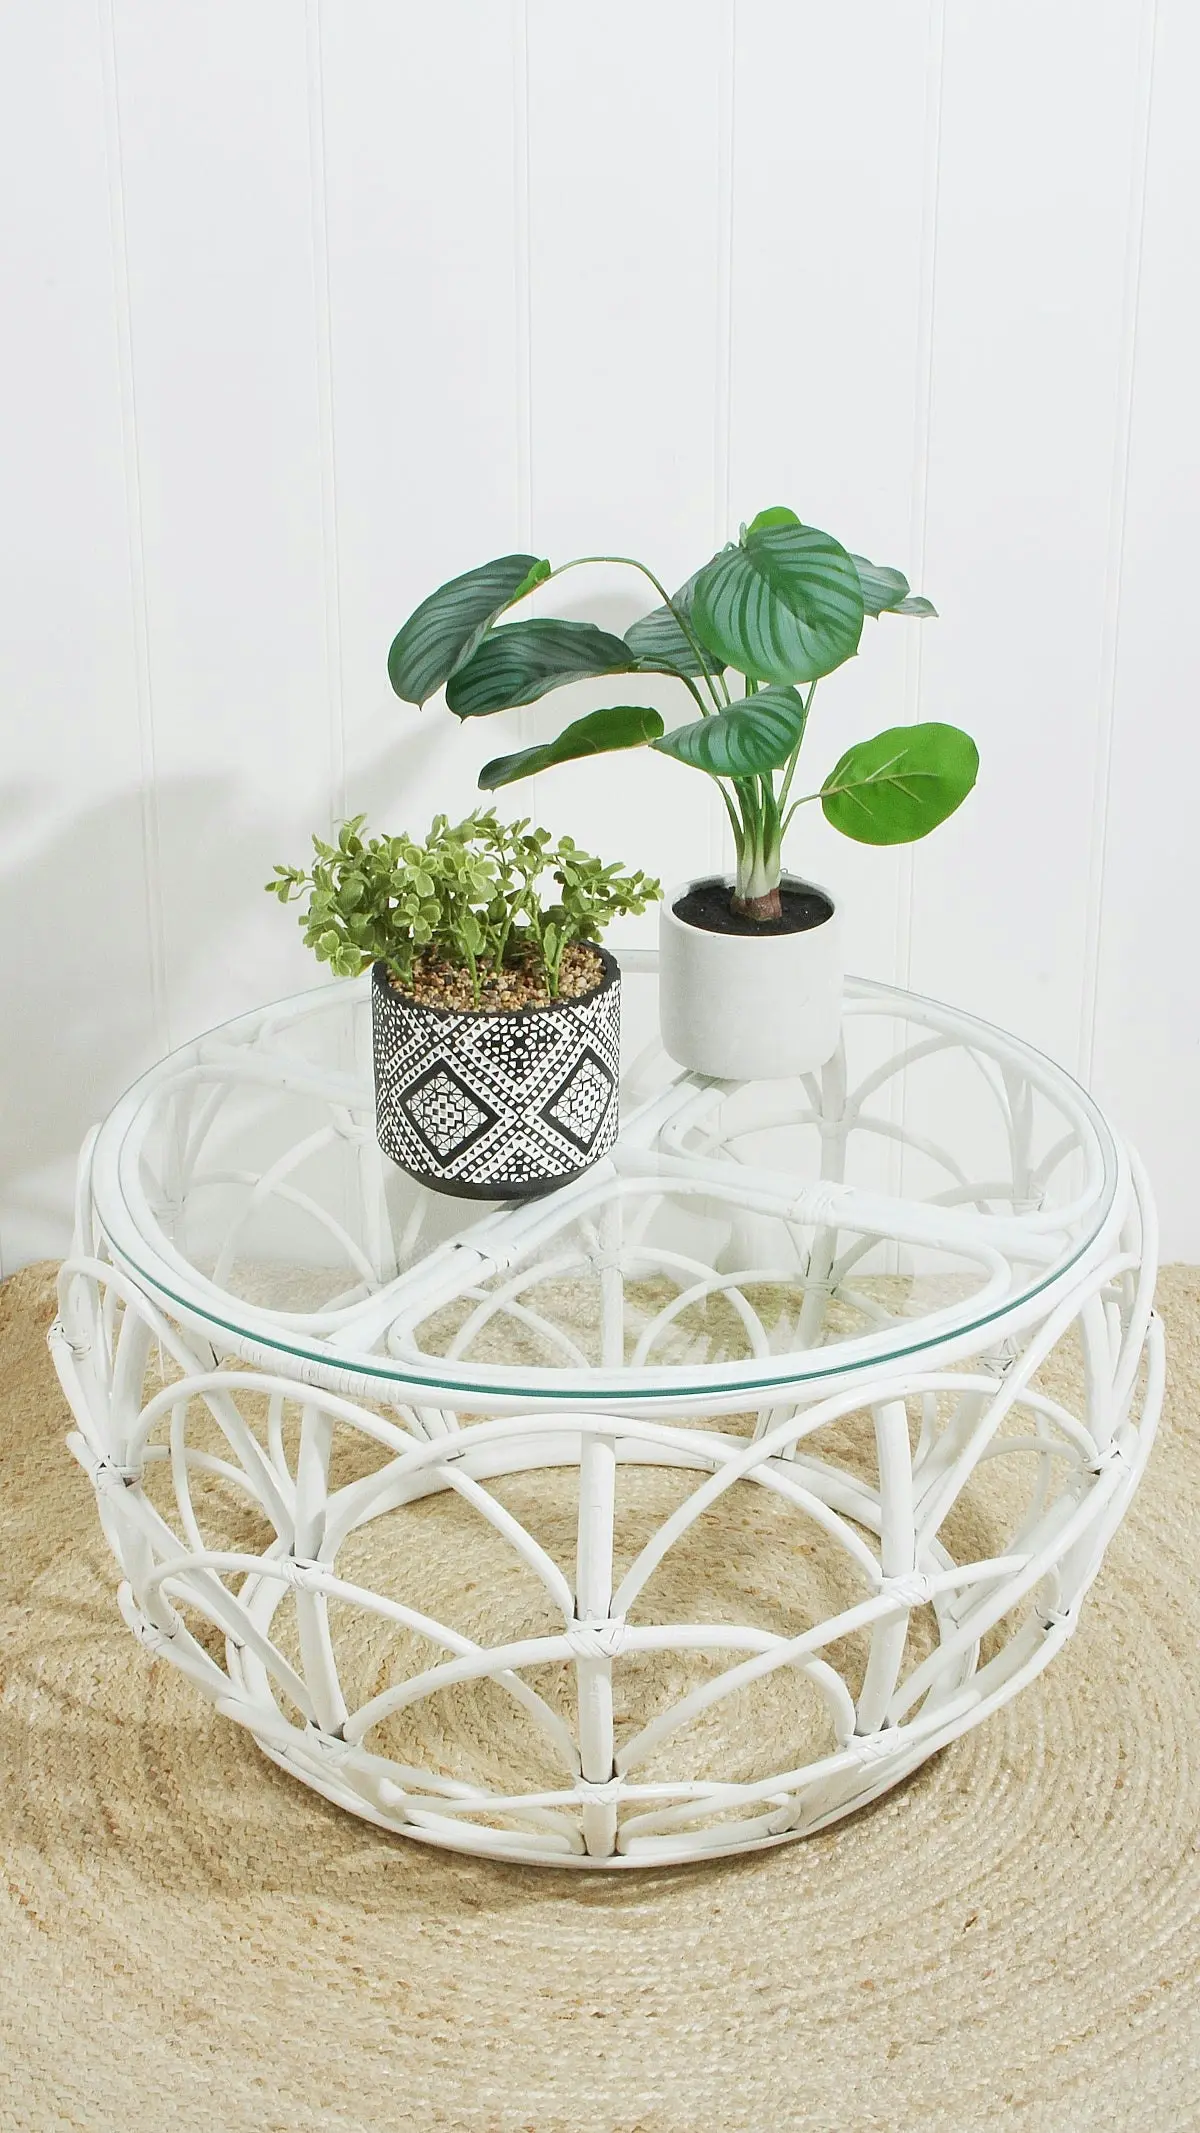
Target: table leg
312	1608
897	1537
594	1559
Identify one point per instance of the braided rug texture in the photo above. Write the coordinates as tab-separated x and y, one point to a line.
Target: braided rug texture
190	1940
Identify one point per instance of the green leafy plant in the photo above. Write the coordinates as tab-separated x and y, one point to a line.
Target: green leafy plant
473	894
782	607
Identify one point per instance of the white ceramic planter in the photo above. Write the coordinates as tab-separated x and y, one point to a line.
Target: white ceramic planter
745	1009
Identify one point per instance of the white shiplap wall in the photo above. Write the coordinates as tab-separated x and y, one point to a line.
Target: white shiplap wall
308	306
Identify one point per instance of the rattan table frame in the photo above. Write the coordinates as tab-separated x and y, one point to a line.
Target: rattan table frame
143	1334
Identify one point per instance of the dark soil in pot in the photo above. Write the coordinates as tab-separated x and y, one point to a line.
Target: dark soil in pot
708	905
497	1104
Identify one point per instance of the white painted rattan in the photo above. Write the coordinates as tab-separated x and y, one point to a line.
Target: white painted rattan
217	1161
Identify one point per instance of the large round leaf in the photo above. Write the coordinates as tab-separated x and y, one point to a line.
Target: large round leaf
899	786
784	605
525	660
600	733
755	734
445	629
659	644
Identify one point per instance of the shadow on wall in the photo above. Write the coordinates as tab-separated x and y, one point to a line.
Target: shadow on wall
76	974
75	950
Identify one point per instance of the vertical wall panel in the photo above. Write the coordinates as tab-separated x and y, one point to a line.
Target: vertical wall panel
75	958
1147	1033
625	119
311	306
421	163
1030	312
836	118
214	127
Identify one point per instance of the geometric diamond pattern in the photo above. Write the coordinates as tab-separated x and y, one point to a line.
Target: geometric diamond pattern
498	1106
580	1104
444	1112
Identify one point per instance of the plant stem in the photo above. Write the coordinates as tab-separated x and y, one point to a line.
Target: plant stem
750	842
735	822
630	562
688	683
758	837
794	758
502	948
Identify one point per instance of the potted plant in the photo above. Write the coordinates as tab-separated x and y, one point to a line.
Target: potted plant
751	967
496	1015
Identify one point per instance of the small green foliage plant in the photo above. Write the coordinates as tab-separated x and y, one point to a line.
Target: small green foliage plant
476	895
780	607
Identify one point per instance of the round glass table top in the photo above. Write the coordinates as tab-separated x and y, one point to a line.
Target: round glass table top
934	1182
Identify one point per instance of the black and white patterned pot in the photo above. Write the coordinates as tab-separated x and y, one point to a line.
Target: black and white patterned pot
493	1105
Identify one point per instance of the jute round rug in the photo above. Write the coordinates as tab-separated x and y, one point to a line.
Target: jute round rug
188	1939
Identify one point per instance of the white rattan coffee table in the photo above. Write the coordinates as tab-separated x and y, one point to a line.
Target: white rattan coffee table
675	1514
